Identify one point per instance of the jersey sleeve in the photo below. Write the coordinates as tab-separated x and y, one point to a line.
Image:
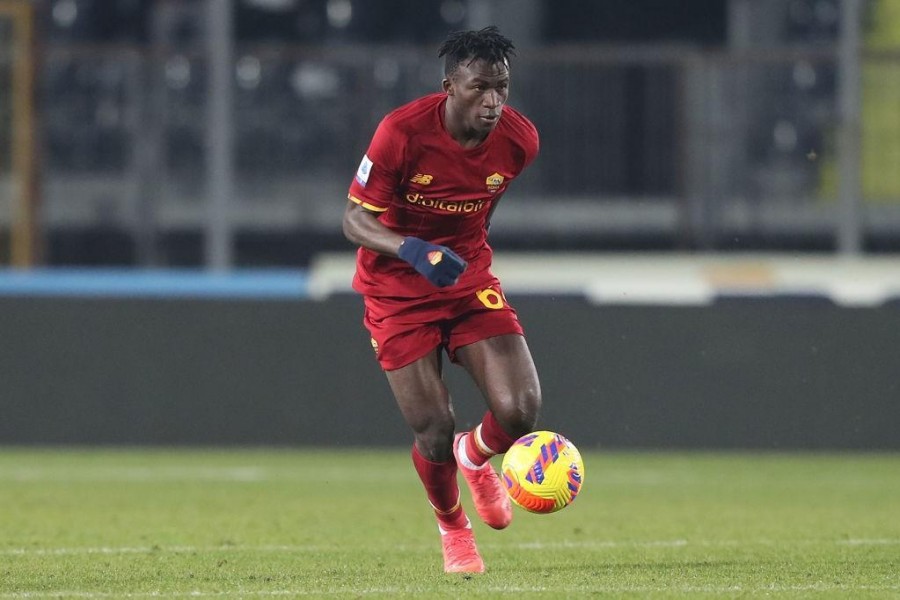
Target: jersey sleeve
379	173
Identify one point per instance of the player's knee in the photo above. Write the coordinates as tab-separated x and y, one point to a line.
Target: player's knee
435	449
520	414
435	438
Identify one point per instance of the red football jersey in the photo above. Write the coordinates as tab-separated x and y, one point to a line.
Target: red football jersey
424	184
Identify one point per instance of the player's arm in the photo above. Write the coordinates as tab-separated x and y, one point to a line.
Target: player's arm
439	264
362	227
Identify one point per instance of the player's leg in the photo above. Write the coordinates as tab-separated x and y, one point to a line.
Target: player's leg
425	404
489	342
504	372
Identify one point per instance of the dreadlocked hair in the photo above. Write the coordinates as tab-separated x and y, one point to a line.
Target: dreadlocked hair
468	46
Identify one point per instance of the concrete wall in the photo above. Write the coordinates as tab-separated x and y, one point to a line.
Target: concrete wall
752	373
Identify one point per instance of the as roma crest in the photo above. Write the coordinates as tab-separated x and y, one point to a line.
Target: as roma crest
493	182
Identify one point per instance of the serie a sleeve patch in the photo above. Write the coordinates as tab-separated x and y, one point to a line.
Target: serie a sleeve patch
362	173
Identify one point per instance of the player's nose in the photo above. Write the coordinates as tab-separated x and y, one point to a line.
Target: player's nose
492	99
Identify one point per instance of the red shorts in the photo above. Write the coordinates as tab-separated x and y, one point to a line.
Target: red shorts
404	331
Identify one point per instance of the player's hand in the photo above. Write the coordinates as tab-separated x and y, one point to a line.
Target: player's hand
439	264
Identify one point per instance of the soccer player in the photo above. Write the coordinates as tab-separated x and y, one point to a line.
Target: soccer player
420	208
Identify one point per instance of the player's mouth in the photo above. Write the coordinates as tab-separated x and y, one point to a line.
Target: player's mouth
491	118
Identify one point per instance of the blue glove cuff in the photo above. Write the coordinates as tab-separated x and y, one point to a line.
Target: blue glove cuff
411	249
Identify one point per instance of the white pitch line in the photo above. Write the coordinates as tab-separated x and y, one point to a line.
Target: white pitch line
287	548
600	544
683	543
870	542
158	549
556	590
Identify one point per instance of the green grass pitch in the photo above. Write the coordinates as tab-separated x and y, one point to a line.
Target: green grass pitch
352	523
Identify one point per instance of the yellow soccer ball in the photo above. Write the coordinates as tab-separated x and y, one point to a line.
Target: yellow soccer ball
543	472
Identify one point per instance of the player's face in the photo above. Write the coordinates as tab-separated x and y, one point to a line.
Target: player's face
476	93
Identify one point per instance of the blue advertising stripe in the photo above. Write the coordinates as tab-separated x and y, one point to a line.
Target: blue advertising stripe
133	283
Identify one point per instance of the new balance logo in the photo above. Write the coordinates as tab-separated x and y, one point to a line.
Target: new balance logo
422	179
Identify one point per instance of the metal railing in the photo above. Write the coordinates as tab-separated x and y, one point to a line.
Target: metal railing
709	149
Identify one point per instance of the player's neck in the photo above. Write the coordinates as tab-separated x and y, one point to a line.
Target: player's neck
465	136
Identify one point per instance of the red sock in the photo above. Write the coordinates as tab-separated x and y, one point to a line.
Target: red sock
487	440
440	484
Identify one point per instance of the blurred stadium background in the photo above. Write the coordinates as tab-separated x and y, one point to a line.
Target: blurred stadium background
705	251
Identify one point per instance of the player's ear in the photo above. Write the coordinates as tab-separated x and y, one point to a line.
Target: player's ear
448	87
